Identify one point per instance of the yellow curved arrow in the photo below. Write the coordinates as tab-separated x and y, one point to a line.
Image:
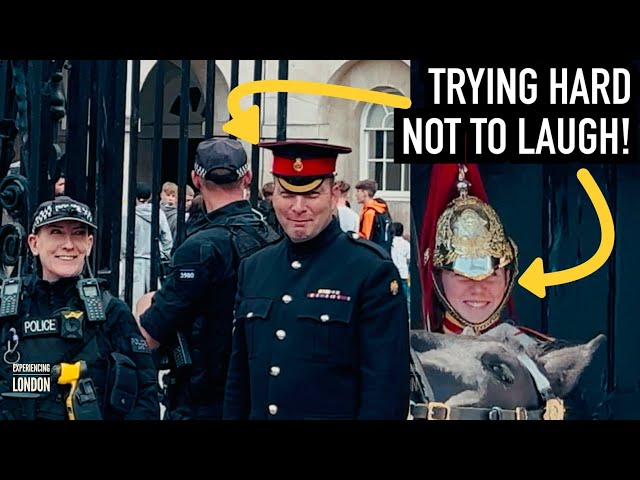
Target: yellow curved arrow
246	124
535	280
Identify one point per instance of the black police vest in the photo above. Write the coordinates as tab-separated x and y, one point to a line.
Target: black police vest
41	341
210	339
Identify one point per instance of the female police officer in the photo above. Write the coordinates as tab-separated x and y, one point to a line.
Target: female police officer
64	323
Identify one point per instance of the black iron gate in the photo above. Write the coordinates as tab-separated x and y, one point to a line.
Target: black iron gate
36	96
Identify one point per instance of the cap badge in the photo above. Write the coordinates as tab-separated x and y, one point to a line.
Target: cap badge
297	165
471	236
394	287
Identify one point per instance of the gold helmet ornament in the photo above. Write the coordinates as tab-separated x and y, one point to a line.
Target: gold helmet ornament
468	239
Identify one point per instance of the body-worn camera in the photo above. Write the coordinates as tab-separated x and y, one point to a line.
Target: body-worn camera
71	322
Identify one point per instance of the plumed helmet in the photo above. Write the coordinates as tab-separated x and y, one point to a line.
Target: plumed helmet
462	232
470	239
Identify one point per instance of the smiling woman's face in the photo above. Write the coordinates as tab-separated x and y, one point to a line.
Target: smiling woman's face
62	248
474	300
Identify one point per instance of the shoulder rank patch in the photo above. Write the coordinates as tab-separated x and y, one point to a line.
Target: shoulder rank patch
394	288
186	274
139	345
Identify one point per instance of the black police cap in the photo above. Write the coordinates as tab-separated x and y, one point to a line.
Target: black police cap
59	209
221	160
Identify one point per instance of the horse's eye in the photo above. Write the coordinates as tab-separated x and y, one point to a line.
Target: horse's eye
502	373
495	364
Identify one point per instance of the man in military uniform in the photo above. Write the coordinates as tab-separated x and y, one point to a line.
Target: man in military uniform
58	323
192	314
321	329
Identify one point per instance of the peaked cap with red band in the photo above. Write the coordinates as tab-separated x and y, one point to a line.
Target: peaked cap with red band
445	187
300	166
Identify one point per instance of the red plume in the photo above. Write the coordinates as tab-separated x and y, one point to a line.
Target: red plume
442	190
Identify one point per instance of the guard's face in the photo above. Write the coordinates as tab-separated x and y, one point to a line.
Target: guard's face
304	215
61	247
475	300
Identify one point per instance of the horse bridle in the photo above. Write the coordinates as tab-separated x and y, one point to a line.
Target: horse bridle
429	409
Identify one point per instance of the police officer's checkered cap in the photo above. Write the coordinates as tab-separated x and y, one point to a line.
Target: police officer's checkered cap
60	209
220	153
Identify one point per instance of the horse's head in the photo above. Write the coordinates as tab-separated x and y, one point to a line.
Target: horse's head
495	370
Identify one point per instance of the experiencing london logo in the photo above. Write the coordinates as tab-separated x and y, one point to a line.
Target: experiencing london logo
31	377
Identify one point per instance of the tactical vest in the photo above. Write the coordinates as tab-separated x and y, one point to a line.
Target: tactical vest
52	340
203	383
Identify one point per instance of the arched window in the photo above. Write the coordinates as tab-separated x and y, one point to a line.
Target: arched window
377	153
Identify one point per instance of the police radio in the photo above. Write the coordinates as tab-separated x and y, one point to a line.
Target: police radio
180	351
10	297
90	294
12	245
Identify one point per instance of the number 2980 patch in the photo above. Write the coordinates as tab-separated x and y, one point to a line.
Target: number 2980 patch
186	274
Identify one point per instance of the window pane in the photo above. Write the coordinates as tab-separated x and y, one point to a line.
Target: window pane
389	136
375	144
375	172
393	176
375	116
379	147
371	144
388	121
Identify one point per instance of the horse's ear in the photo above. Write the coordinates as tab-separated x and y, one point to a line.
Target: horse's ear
423	340
565	365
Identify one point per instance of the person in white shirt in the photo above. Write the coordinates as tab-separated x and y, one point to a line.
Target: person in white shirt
401	253
349	220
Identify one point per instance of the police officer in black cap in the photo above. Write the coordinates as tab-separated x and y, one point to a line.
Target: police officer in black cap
63	324
321	328
192	315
